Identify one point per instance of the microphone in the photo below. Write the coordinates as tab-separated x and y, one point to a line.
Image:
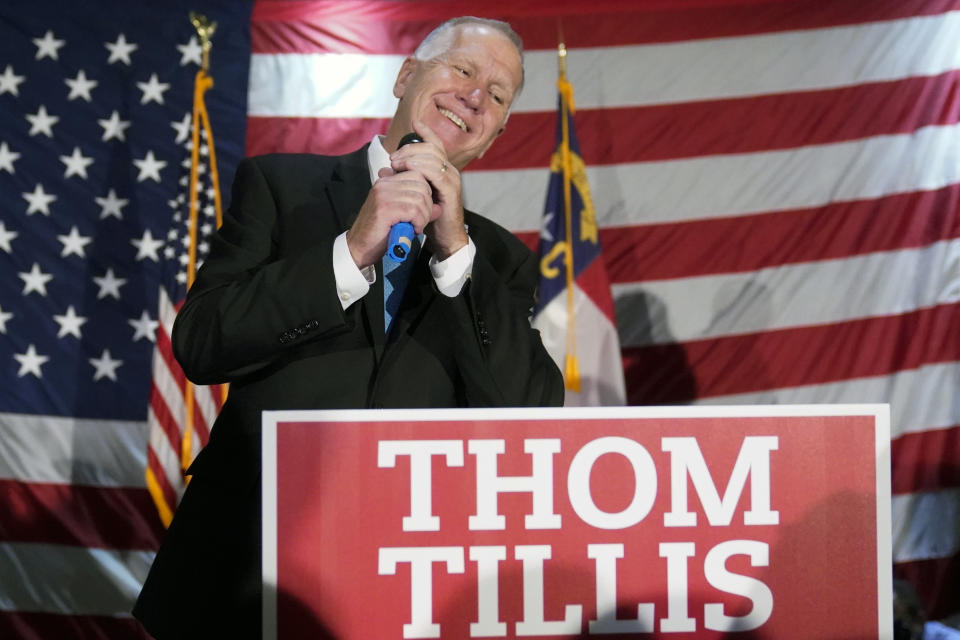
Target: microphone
401	234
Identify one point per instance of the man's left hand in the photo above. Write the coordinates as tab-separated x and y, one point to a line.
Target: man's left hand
446	233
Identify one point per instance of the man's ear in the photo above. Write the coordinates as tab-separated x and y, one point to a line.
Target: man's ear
407	69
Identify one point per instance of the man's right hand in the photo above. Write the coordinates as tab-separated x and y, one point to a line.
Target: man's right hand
395	197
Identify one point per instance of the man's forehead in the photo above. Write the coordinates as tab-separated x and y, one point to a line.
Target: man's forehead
472	38
466	35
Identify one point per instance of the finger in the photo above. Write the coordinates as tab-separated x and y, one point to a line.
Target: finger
396	182
433	166
415	211
428	134
405	197
413	180
431	143
417	157
428	160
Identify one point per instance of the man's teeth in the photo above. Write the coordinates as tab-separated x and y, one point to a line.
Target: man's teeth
455	119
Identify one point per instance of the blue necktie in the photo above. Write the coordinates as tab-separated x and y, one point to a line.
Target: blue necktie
396	275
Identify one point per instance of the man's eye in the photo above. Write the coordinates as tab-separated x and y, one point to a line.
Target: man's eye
496	98
461	70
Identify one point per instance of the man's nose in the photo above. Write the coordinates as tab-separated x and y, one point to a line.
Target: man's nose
472	95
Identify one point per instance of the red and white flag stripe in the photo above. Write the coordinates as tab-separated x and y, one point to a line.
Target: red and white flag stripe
167	417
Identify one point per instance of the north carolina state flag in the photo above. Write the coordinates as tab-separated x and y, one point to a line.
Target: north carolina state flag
575	312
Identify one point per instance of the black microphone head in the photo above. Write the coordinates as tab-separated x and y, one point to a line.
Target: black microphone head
409	138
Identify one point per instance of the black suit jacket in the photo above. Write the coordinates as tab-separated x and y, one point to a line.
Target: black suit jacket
264	316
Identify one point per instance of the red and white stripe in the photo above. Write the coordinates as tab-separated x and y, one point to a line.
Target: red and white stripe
167	417
81	528
776	185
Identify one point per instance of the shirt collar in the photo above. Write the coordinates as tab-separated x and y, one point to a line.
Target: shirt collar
377	157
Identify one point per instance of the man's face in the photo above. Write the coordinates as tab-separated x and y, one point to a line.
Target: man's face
464	94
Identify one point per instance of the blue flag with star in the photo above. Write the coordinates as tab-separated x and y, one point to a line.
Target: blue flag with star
553	232
574	311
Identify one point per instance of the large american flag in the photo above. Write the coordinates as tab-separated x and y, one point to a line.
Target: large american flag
95	100
776	185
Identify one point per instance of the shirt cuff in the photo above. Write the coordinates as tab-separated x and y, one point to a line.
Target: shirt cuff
352	282
451	274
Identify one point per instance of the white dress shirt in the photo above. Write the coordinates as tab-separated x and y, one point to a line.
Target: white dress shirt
353	283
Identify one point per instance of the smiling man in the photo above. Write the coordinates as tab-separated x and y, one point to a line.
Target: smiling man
297	308
455	91
461	81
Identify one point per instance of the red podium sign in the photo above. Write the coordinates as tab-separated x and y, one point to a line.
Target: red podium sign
706	522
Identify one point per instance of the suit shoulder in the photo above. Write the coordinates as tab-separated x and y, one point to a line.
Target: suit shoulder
287	164
288	159
312	165
487	233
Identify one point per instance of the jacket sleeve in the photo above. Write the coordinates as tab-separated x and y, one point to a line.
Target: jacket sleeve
500	356
248	306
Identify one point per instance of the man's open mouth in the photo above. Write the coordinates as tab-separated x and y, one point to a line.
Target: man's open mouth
454	118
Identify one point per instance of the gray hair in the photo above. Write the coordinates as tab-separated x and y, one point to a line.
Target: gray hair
441	39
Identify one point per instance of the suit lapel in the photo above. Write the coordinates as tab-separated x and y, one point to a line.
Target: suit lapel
347	189
348	186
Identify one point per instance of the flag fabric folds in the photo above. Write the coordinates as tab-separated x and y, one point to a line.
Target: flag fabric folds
574	312
181	413
95	100
776	188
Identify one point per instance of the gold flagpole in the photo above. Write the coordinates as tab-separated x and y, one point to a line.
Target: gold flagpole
202	82
571	369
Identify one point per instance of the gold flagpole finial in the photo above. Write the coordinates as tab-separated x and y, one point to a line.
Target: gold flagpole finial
562	59
205	29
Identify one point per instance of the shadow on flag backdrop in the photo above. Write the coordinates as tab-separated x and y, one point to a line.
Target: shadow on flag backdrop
96	101
574	311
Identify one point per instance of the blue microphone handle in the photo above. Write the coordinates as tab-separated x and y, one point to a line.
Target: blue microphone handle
401	234
400	241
